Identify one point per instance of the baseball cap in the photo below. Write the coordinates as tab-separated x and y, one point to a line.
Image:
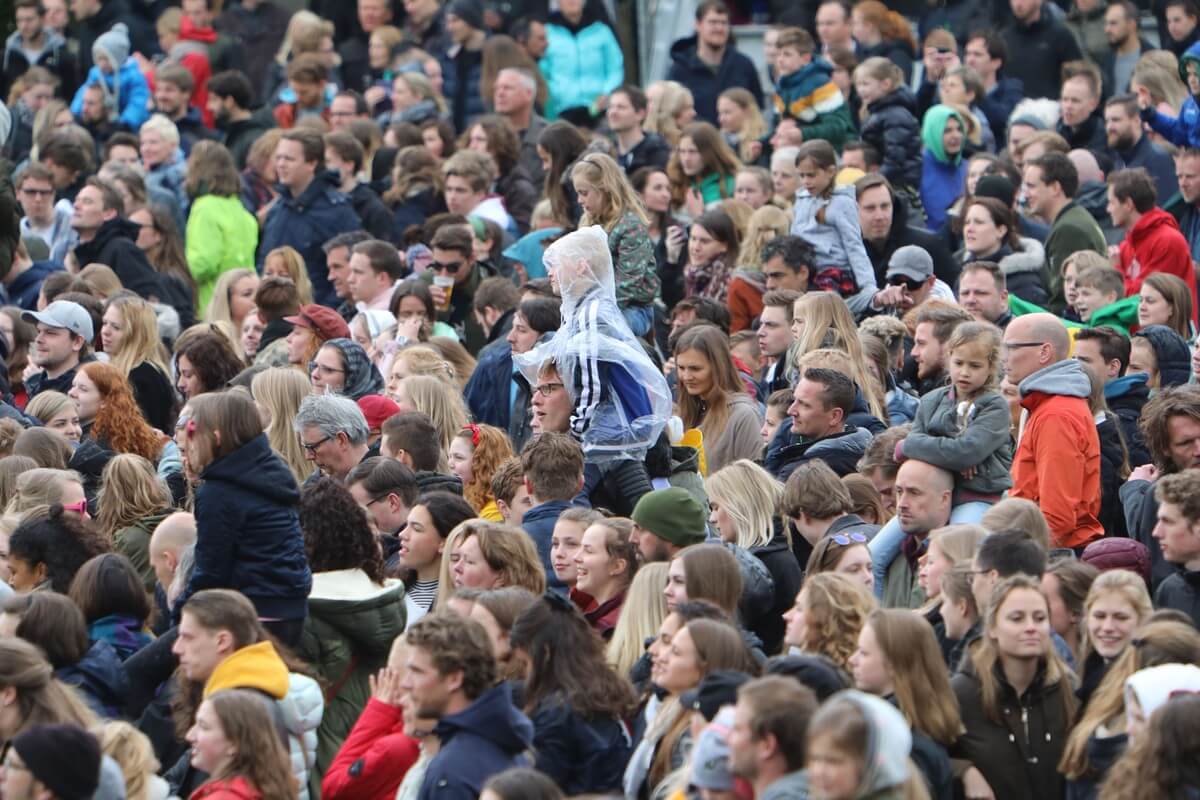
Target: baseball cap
323	321
912	262
64	314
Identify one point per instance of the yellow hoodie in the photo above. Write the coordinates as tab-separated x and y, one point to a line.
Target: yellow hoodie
255	667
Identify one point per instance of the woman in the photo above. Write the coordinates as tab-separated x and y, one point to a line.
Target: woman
133	500
111	421
704	572
703	169
115	606
990	234
286	262
1066	583
828	616
822	320
1162	762
39	698
491	556
414	100
236	742
258	178
44	447
57	413
342	367
19	336
496	610
558	145
744	501
1117	604
713	398
163	160
641	616
949	546
493	135
578	704
46	487
441	402
712	255
1015	697
605	564
232	297
765	224
416	191
278	392
582	62
879	31
205	364
130	337
667	233
45	551
423	544
160	239
1166	300
844	553
354	611
474	456
412	303
671	108
221	234
943	133
741	123
898	659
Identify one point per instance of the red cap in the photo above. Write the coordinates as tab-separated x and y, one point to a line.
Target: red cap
323	321
377	409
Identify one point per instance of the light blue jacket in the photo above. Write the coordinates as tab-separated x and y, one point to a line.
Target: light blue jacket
129	86
838	240
580	66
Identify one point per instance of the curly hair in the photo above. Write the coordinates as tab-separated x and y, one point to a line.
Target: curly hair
455	643
132	751
491	448
838	607
213	359
1177	401
119	420
337	534
508	551
62	542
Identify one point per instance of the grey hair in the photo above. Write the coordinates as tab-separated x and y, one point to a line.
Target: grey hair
527	78
332	414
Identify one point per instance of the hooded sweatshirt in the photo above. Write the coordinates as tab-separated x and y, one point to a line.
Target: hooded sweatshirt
889	742
1171	352
1057	464
838	240
942	175
1183	130
1154	244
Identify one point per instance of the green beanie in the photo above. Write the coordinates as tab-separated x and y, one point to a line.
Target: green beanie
672	515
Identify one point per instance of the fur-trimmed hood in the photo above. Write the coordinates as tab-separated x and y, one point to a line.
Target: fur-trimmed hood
1030	256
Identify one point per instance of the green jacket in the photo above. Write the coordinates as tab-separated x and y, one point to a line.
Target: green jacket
348	633
1120	316
633	261
713	188
900	587
134	543
1073	230
221	235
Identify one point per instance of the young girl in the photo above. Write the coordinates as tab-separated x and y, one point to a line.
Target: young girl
777	406
565	541
826	216
604	568
608	200
702	169
235	741
742	124
960	615
475	453
890	124
844	553
753	187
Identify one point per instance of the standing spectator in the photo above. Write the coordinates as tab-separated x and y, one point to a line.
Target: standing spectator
462	60
23	284
1085	19
1044	45
174	87
986	53
492	135
306	96
709	62
310	210
1176	535
1181	20
1152	241
131	339
163	160
344	156
259	27
1125	47
775	336
235	741
1132	147
583	61
879	31
513	97
221	234
883	218
375	267
943	171
33	44
553	469
1187	170
821	401
768	741
1057	463
453	255
1081	124
231	103
626	117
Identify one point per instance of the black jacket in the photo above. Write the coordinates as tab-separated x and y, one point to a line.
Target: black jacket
901	234
892	128
1181	592
414	210
485	738
1141	515
652	151
787	575
1112	459
437	482
376	219
1155	160
898	52
142	38
705	83
841	451
520	196
115	245
1037	53
1126	397
100	679
154	394
240	135
582	755
1089	135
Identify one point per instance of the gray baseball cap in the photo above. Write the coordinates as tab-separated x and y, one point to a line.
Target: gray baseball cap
64	314
911	262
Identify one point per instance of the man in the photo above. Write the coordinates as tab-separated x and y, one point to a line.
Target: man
495	307
820	403
347	106
69	162
344	156
1187	172
23	282
489	392
775	337
43	219
1131	147
788	263
833	27
94	114
861	156
664	522
337	260
51	762
462	61
467	178
425	25
1044	46
173	86
1171	424
230	98
1182	19
935	323
454	256
883	218
307	76
819	505
708	63
1080	124
768	741
1003	554
910	282
333	433
33	45
1050	183
1125	47
64	333
1092	194
411	439
983	293
174	535
1085	19
924	497
375	267
259	27
1057	463
1105	354
531	34
451	676
986	53
356	65
1178	535
310	210
387	490
553	468
626	114
508	487
1152	241
879	465
94	18
551	402
513	95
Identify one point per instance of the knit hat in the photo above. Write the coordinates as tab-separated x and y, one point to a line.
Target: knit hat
710	757
672	515
1171	352
63	757
1118	553
469	11
362	376
377	410
911	262
716	689
113	45
1029	120
998	187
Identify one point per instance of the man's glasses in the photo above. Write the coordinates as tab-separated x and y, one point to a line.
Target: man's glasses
547	389
450	268
38	192
312	447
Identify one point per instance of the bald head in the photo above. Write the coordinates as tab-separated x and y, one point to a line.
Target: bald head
173	535
924	496
1086	165
1034	342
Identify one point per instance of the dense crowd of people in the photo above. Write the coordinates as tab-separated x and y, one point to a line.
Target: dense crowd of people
410	400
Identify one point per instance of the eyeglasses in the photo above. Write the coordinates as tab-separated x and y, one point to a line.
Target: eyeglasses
312	448
547	389
314	366
845	539
1019	345
439	266
907	283
38	192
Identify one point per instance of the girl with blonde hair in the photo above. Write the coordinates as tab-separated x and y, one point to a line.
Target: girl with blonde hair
1117	604
475	454
232	299
671	108
46	487
132	751
57	413
286	262
742	123
129	334
641	616
418	360
436	399
765	224
828	616
948	547
133	500
278	391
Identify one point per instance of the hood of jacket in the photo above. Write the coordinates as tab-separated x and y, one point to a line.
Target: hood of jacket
492	717
256	468
191	32
50	41
1066	378
1191	54
897	98
793	786
99	674
1149	224
1171	352
364	612
324	184
1030	256
110	231
934	126
758	587
684	52
428	481
1131	386
889	740
1093	198
257	666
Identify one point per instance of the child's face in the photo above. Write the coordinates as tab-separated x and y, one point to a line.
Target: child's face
870	89
1142	359
970	369
815	180
833	774
774	418
590	198
1070	290
789	59
104	64
1088	299
1193	77
953	91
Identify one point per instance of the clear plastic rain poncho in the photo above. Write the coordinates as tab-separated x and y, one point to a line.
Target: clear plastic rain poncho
622	401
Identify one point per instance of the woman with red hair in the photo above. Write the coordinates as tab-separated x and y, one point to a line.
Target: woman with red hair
880	31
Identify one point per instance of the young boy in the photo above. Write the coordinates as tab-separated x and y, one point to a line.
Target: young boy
553	468
1178	535
508	487
805	91
126	94
1099	299
1184	130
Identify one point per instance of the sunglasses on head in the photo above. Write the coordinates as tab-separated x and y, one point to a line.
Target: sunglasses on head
846	539
906	282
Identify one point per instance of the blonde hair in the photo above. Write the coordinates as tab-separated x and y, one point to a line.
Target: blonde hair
750	496
1129	586
456	356
829	323
672	99
218	306
1019	513
40	487
130	490
446	589
131	749
47	405
141	343
421	86
293	262
162	125
838	607
766	220
508	551
279	390
439	401
880	69
754	128
608	178
101	279
304	34
958	544
642	614
421	359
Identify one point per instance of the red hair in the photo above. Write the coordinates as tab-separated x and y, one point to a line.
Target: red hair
491	449
119	419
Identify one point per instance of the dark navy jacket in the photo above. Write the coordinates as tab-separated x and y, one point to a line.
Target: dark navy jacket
248	532
100	678
24	289
583	756
489	391
706	84
539	524
1156	161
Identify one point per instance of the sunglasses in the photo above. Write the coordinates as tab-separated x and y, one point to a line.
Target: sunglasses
907	283
846	539
439	266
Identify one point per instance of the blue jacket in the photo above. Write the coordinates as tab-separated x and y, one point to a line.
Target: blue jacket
248	532
489	391
100	678
307	222
539	524
941	185
1184	130
485	738
133	94
735	69
583	756
24	289
580	64
462	72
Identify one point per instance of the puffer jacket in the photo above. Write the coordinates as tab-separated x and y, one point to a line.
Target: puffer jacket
892	128
1154	244
374	758
1023	271
129	90
1183	130
985	443
841	451
758	588
99	678
348	633
1181	592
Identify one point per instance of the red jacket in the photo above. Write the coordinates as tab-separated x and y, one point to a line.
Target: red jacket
1154	244
374	758
237	789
